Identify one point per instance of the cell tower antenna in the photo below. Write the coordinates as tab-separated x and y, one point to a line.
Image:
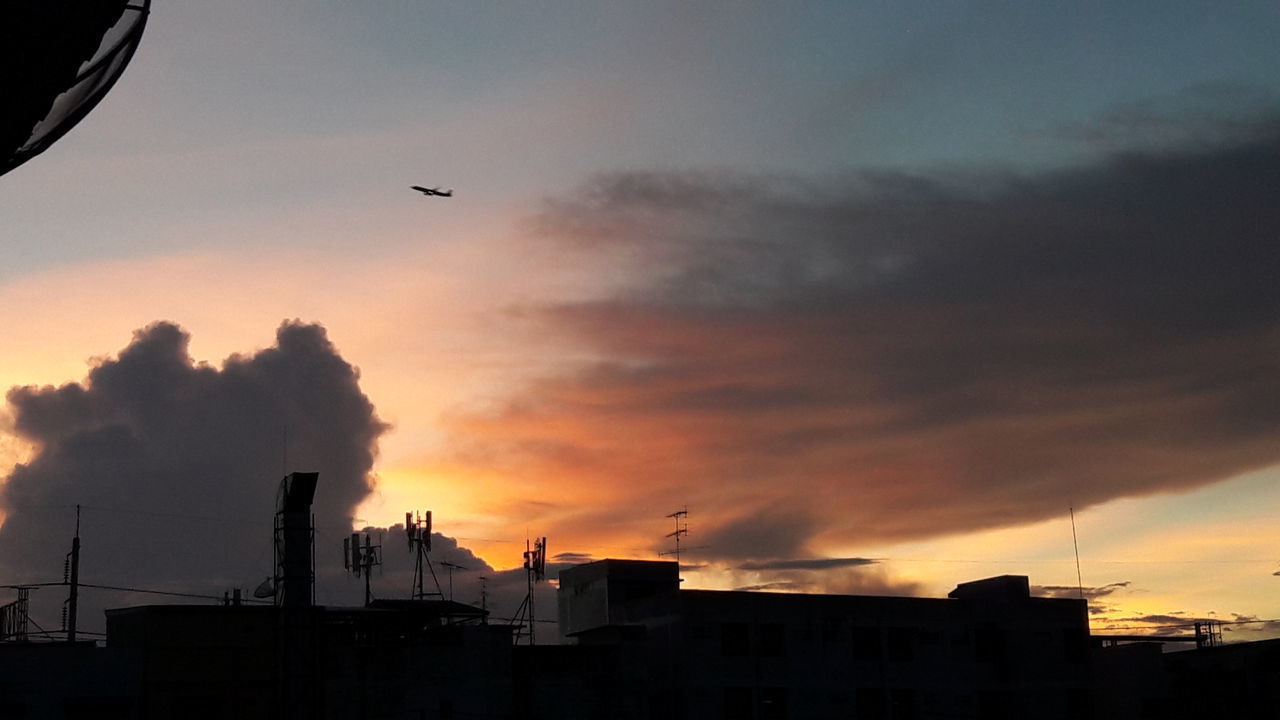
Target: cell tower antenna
535	567
418	528
361	559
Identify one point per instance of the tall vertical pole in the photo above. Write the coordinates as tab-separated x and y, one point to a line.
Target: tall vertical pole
368	570
533	640
74	593
1076	545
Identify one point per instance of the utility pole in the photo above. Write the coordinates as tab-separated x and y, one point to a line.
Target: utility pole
73	594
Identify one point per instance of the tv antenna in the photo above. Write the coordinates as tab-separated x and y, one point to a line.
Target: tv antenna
417	527
452	567
535	568
681	518
361	560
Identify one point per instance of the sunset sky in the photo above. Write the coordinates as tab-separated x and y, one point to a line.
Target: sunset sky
879	291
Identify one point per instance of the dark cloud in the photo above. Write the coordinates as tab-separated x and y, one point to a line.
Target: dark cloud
1211	113
574	558
773	532
1093	595
1251	625
1068	591
810	564
895	356
1178	619
849	576
176	464
780	586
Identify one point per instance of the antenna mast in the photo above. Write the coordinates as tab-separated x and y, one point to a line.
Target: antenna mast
681	518
358	560
417	527
1076	545
535	567
452	567
73	580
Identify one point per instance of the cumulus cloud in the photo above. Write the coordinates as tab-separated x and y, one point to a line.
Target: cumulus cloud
176	463
890	356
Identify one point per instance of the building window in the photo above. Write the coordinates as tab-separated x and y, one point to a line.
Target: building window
988	643
700	631
831	630
901	645
902	704
737	703
870	704
866	643
773	703
772	639
735	639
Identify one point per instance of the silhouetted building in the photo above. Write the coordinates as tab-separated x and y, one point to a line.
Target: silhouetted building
66	681
636	647
990	650
397	659
1143	681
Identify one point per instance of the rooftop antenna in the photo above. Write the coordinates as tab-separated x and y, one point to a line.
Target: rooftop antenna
452	567
681	518
1076	545
484	599
417	527
535	567
361	560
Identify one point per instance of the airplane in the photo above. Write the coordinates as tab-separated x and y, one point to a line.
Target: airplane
433	191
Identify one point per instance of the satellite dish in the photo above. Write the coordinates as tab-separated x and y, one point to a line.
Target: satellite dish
266	589
58	58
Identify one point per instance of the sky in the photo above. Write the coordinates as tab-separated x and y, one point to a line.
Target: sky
884	294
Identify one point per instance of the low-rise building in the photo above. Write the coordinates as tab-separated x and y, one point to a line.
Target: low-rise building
989	650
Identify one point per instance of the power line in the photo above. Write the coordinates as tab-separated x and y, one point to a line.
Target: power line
147	591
